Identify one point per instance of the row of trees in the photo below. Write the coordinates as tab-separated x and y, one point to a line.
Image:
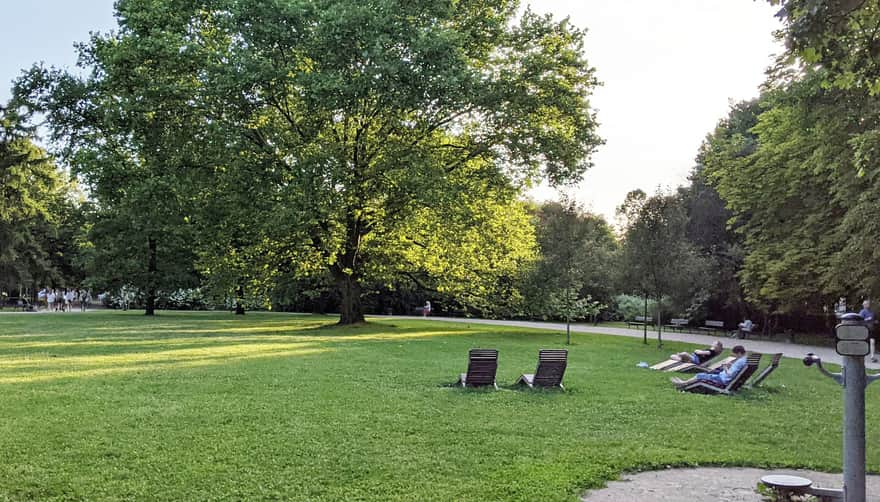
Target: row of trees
307	144
324	154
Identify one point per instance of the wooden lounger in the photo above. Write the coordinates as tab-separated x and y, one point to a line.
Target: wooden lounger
482	365
774	363
551	369
707	387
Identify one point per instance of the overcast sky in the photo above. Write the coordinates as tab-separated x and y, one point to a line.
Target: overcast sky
669	67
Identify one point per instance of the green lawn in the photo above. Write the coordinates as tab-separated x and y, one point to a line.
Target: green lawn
196	406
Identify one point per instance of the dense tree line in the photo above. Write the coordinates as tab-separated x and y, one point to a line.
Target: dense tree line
342	157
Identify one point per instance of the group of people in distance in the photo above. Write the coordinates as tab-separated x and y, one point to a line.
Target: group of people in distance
63	299
722	375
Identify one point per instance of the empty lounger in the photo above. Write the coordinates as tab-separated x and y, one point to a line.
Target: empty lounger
774	363
551	369
482	365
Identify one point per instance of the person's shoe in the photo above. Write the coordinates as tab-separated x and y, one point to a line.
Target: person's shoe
676	380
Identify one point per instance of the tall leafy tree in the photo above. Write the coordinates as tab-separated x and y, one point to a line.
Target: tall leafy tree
574	271
34	197
368	115
657	259
128	132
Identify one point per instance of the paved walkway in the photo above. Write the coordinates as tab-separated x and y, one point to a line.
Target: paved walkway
791	350
712	484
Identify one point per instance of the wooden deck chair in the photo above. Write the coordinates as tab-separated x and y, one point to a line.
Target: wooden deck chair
707	387
697	368
550	370
482	365
665	365
687	367
774	363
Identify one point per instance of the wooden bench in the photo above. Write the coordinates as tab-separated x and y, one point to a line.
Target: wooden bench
21	304
639	320
741	334
713	326
677	324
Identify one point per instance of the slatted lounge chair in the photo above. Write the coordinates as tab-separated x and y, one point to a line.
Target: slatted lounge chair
686	367
551	369
774	363
696	368
707	387
482	365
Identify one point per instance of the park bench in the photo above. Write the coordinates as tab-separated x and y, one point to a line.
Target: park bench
639	320
713	326
551	368
741	333
676	324
482	365
21	304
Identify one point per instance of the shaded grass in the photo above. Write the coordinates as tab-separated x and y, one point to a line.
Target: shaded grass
273	406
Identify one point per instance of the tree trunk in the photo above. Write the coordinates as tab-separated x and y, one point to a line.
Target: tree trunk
151	277
239	303
350	310
567	331
659	324
645	328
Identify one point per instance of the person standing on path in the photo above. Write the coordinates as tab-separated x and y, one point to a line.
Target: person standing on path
426	311
868	316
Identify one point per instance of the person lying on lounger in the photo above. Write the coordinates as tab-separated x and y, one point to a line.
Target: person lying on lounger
724	376
699	356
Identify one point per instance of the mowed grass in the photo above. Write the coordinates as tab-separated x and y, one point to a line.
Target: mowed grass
198	406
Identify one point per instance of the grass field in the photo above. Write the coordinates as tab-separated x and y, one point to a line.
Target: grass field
197	406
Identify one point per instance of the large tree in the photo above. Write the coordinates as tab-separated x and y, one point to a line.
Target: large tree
127	130
366	115
657	259
34	198
573	274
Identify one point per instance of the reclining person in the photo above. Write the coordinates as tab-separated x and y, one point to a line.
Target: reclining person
725	375
699	356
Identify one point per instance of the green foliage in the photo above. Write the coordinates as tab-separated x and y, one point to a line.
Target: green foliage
35	204
788	168
627	307
577	253
657	259
838	37
205	406
351	123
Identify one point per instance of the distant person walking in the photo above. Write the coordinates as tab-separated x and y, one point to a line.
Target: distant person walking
426	311
41	298
50	300
745	328
868	316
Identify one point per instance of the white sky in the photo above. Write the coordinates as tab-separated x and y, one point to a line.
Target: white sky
669	68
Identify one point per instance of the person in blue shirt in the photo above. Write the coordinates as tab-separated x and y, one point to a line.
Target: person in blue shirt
866	313
868	316
726	374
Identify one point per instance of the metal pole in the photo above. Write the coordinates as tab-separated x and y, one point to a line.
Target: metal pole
854	382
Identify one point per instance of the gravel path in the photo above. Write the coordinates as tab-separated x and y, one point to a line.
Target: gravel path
713	484
788	350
